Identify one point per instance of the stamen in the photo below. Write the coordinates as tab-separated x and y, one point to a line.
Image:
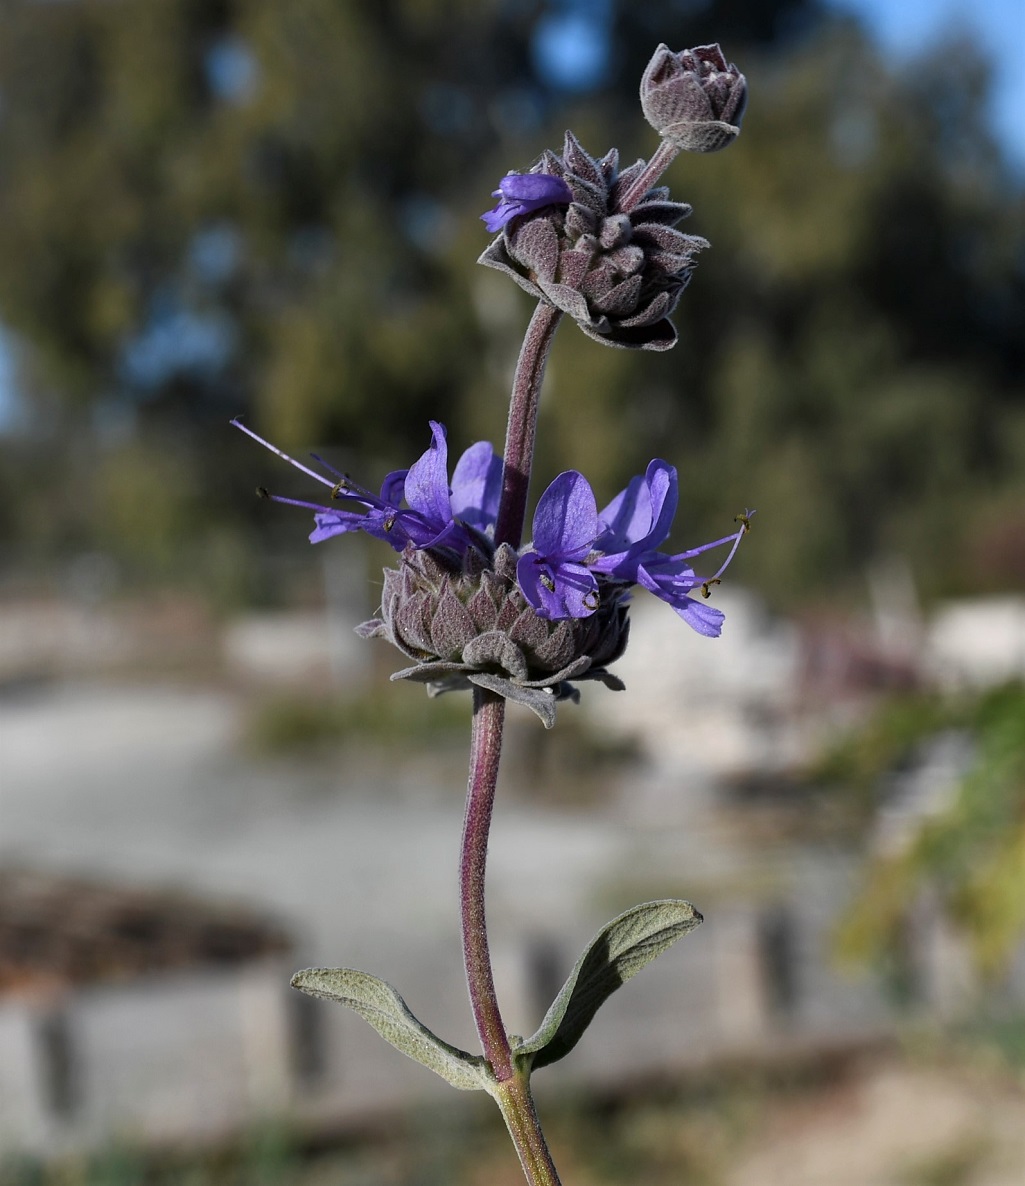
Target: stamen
592	600
299	502
716	543
706	587
745	527
262	492
389	523
328	466
345	487
281	453
546	580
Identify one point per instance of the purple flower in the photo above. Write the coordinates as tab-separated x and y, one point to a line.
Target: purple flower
637	520
435	516
552	576
578	558
523	193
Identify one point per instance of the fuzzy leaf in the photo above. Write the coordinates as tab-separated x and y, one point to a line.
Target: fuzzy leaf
616	953
380	1005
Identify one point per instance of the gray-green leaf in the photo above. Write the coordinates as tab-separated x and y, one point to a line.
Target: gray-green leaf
380	1005
617	952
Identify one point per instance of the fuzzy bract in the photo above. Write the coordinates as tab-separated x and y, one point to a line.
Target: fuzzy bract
618	273
694	98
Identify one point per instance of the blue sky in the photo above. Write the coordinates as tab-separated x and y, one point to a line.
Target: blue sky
906	27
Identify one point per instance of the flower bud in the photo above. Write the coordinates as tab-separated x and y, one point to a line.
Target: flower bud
695	99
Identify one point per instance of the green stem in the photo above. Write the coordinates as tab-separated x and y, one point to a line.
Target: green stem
521	1120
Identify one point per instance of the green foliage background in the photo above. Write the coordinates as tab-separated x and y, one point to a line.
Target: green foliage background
850	359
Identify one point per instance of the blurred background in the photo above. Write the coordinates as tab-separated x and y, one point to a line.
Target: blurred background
206	781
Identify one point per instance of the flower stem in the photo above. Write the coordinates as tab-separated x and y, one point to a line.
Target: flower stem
512	1089
520	434
512	1086
521	1120
667	152
485	751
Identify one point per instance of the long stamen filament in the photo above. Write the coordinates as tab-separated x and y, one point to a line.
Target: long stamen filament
282	454
298	502
745	527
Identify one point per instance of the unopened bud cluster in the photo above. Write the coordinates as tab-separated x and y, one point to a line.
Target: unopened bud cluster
695	98
619	274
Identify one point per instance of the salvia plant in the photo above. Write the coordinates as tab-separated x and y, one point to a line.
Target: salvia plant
471	607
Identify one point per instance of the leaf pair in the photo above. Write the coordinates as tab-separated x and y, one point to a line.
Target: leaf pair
617	952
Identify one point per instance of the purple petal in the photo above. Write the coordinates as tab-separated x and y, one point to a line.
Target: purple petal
566	519
529	574
556	591
673	582
332	523
393	487
639	519
522	193
664	489
575	594
627	517
495	219
666	576
539	189
477	486
701	616
426	485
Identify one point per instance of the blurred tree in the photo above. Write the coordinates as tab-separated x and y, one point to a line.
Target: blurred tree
212	206
971	856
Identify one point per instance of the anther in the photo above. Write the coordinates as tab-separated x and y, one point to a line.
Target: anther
262	492
706	588
389	523
547	581
744	520
592	600
340	487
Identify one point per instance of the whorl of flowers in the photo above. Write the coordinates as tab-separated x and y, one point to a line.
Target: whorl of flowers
522	624
470	623
618	273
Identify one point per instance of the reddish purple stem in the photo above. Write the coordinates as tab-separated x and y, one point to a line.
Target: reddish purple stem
522	429
485	751
664	156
